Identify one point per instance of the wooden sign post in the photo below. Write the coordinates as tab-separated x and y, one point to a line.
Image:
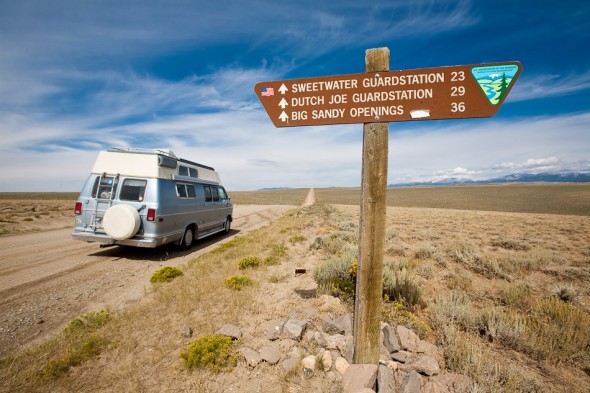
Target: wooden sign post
369	281
375	98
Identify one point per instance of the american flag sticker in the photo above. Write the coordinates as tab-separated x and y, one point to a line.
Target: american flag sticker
268	91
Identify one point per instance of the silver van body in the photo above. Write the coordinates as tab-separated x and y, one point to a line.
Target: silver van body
147	198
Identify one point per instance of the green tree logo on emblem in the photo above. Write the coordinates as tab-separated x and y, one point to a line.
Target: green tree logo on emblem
494	81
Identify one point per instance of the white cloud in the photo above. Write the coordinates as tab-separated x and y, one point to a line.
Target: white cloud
543	86
250	153
490	148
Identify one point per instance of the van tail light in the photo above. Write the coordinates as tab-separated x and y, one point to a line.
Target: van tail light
78	208
151	216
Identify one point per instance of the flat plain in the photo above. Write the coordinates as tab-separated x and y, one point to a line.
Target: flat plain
502	273
550	198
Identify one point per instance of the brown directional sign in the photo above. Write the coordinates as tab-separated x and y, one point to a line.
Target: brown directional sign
455	92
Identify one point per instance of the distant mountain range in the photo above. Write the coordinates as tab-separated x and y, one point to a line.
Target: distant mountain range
514	178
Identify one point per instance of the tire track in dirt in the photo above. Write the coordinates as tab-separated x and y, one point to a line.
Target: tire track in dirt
60	254
310	198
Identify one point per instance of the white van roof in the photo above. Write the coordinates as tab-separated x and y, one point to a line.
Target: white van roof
152	163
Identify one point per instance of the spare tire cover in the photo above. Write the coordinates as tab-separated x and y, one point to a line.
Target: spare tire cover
121	221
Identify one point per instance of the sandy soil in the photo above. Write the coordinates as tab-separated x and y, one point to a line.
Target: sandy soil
47	279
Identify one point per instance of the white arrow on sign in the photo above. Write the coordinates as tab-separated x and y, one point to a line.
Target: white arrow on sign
283	89
283	103
284	117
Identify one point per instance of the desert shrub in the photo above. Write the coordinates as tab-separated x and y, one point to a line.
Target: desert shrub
453	310
557	331
566	292
236	241
489	268
395	313
464	253
335	276
317	244
279	250
425	270
464	353
214	352
166	274
248	262
335	244
271	260
544	257
396	250
297	239
516	265
509	244
84	349
87	322
458	281
552	330
82	344
505	327
348	226
517	295
238	282
277	278
425	251
399	284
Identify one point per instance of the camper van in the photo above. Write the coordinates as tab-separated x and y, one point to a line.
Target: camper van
147	198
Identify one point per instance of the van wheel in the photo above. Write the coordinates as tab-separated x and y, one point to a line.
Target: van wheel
226	225
188	238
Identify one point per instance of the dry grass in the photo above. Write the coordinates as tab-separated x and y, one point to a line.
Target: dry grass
21	215
506	293
506	296
39	196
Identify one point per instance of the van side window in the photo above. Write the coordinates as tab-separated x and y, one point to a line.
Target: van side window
222	193
133	190
188	171
208	197
186	190
215	192
181	190
190	191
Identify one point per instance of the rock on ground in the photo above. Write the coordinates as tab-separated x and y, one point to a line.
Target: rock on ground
359	376
251	356
411	383
230	331
270	354
385	380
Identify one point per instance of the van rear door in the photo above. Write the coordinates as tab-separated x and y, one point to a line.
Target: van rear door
103	193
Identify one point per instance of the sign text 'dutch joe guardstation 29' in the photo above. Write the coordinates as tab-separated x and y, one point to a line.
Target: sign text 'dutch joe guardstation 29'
455	92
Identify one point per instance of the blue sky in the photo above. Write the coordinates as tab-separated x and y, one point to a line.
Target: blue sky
77	77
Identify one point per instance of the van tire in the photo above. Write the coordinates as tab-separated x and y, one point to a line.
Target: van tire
227	225
121	222
187	239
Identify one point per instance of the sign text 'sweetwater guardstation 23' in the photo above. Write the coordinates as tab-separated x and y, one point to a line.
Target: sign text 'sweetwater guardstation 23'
375	98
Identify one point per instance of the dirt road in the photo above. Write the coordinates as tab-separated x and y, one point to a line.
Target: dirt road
47	279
